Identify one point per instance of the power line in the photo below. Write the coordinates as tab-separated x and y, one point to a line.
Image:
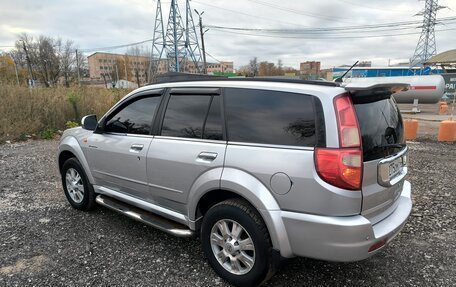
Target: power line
362	28
250	15
115	47
375	8
300	12
319	37
213	57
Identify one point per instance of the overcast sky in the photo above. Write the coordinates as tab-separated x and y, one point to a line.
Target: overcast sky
103	23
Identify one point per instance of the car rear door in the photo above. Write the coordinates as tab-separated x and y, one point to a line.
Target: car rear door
117	153
190	142
384	150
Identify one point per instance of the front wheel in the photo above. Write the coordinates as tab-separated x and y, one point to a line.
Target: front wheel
78	190
236	243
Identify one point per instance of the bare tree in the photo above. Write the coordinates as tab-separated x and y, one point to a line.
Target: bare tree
253	67
135	63
280	67
49	58
68	61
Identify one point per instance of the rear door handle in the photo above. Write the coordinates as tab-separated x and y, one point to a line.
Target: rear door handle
136	147
207	156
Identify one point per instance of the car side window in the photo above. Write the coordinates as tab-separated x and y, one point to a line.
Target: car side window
135	118
193	116
270	117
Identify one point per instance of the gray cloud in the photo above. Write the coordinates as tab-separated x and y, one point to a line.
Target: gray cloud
106	23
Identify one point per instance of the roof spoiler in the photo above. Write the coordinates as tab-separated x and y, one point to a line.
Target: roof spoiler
372	92
354	88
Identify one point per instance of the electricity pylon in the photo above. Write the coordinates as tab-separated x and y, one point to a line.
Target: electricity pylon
178	45
426	47
158	44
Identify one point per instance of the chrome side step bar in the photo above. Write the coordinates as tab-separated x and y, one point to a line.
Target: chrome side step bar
145	217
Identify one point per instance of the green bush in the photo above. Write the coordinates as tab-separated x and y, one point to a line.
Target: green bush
47	134
74	98
71	124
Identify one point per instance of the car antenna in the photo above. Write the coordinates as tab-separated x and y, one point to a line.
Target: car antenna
339	80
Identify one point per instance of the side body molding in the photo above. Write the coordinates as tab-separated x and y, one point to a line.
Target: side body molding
71	144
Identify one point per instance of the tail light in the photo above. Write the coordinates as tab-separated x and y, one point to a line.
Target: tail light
342	167
347	122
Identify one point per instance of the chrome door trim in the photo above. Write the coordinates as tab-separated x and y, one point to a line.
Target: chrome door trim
191	139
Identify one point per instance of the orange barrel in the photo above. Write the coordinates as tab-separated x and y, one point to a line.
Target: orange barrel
447	131
411	129
443	108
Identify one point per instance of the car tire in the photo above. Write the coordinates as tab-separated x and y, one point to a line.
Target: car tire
234	261
78	190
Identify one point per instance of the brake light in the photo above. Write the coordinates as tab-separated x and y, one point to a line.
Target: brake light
346	121
340	167
343	167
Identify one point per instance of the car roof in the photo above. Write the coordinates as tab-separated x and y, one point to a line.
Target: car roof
272	80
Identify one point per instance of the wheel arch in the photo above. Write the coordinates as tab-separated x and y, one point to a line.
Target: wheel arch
69	147
236	183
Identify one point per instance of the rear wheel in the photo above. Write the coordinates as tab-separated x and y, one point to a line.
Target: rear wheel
237	244
78	190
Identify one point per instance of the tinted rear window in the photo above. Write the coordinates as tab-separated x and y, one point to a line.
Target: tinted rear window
270	117
381	128
193	116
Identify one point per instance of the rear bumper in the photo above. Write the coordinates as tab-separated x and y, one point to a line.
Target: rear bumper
343	238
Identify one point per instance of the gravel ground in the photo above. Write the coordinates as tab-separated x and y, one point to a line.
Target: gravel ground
44	242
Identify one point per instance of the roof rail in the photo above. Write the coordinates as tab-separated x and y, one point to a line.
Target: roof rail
187	77
183	77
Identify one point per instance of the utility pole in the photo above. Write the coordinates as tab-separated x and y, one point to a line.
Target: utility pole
77	66
29	65
126	72
15	69
117	74
200	15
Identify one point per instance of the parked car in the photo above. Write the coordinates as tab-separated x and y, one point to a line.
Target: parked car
260	170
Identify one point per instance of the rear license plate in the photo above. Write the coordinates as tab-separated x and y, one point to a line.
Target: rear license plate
395	167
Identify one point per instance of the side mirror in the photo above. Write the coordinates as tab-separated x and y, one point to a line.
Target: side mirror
89	122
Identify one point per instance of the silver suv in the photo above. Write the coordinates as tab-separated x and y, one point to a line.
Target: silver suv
259	169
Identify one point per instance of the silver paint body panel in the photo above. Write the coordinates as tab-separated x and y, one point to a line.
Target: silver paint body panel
169	176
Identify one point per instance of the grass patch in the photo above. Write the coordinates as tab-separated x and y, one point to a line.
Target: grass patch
25	111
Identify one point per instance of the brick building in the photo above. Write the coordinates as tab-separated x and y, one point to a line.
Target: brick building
221	67
102	66
309	68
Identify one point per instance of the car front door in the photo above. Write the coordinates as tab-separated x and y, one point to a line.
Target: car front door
190	143
117	155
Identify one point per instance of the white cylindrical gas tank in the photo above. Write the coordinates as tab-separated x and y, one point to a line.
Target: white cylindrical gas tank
427	89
